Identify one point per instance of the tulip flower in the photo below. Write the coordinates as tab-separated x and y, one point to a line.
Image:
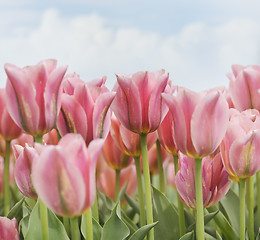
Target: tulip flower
138	103
170	173
8	229
86	111
128	141
241	144
214	177
64	175
70	82
25	156
244	87
113	155
8	129
33	95
51	138
200	121
106	182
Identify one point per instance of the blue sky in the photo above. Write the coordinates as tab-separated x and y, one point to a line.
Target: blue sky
195	41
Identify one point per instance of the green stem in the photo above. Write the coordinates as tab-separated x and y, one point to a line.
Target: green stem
199	200
75	235
117	189
140	190
6	178
43	208
89	227
160	167
147	184
182	227
44	220
258	197
251	208
242	208
95	209
66	224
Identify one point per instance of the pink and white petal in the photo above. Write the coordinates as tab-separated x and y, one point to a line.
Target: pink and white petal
128	97
20	98
155	102
58	182
245	155
72	117
180	127
52	96
100	111
209	123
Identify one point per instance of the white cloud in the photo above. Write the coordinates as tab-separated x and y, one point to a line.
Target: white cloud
198	57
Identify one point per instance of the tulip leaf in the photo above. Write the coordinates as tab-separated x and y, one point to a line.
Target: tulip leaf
132	203
122	193
209	237
114	228
231	205
224	224
97	229
129	222
188	236
56	228
218	236
142	232
207	219
17	211
167	216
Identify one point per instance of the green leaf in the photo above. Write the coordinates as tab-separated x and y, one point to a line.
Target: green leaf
17	211
209	237
132	203
218	236
231	205
207	219
114	228
142	232
188	236
122	193
129	222
56	228
224	224
167	216
23	225
97	229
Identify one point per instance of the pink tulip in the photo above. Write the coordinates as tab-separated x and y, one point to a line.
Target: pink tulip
51	138
64	175
86	111
244	87
114	156
70	82
106	180
8	129
200	120
215	182
33	95
138	102
240	147
25	156
128	141
8	229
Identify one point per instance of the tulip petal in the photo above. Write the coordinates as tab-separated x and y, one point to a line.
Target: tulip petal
209	123
244	155
8	229
72	117
101	115
20	98
180	129
52	96
66	195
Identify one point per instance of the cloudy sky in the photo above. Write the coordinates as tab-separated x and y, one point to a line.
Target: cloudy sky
195	41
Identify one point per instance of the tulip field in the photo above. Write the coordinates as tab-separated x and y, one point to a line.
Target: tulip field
146	160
